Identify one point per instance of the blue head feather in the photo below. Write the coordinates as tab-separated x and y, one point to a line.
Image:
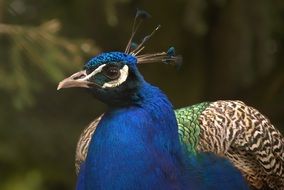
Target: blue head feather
123	94
171	52
133	46
110	57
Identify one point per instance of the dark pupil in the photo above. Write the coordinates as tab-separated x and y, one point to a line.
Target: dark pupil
111	71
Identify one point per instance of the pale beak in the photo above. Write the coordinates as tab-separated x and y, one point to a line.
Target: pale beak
78	79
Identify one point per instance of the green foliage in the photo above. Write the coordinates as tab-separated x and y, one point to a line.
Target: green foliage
38	53
30	181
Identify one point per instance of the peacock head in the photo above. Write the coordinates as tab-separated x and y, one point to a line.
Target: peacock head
113	77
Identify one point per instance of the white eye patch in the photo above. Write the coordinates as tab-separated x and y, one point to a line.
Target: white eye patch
122	78
86	77
114	83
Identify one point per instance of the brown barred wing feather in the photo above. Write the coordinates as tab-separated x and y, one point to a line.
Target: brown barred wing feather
246	137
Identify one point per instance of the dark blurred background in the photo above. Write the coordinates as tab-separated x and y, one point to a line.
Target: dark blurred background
232	49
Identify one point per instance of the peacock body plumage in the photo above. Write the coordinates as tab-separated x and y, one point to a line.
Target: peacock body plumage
136	143
227	128
240	133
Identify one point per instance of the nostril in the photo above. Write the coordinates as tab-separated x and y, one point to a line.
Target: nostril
79	76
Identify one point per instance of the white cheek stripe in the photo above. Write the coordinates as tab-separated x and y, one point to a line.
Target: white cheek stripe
99	69
120	80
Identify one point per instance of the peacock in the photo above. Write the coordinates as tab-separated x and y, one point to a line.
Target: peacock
136	143
230	129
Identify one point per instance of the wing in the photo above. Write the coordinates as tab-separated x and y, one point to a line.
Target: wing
83	143
238	132
227	128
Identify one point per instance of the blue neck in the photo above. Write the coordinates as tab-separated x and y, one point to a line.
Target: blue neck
134	141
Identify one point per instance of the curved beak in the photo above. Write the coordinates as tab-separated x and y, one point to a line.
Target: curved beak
78	79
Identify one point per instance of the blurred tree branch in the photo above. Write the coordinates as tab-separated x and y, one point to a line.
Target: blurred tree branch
41	48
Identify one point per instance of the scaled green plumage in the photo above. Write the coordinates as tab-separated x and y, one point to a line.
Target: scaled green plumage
189	126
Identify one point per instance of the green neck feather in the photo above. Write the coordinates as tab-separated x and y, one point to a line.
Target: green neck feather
189	126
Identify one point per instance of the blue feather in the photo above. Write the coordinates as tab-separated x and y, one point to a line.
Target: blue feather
133	46
171	52
136	146
109	57
135	142
142	14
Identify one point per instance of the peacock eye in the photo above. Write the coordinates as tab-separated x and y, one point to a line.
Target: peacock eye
111	71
